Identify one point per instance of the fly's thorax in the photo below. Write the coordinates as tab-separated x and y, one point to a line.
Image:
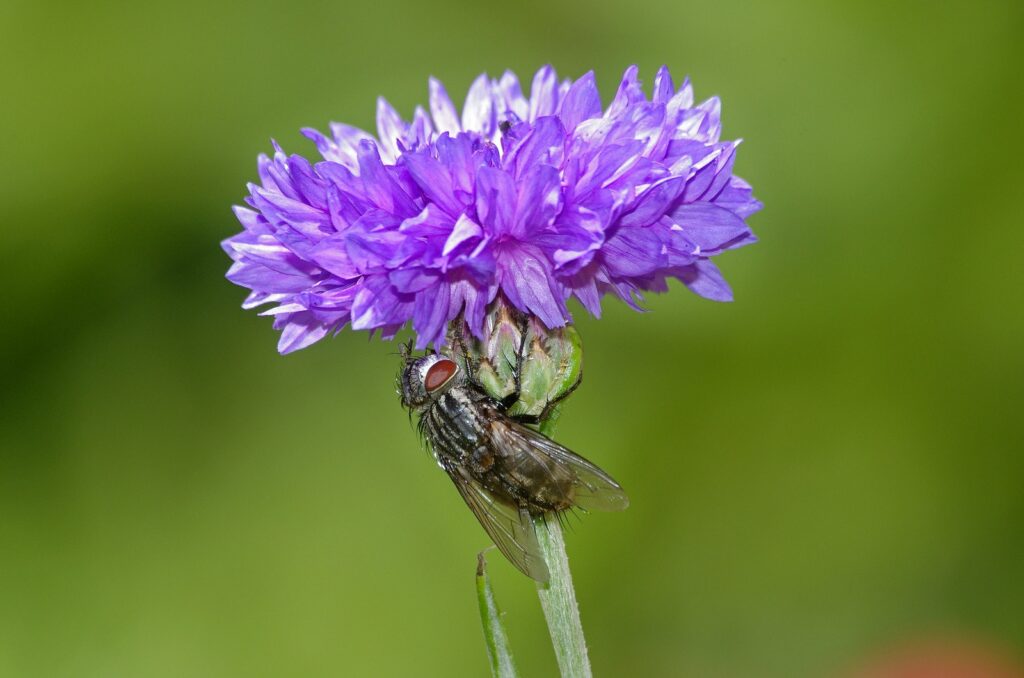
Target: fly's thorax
456	422
426	378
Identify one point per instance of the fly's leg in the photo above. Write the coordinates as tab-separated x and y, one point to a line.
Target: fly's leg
508	401
517	373
467	360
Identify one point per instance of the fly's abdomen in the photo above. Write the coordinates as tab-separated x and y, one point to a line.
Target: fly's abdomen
539	487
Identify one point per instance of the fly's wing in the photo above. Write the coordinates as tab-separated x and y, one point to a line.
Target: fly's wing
592	488
511	528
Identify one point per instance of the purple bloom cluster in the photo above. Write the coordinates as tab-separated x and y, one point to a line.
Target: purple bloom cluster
538	198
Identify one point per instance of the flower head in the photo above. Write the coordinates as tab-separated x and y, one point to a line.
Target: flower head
539	199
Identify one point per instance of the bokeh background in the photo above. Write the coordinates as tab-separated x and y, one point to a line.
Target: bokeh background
822	473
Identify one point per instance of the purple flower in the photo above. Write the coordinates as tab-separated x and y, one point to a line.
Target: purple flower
539	199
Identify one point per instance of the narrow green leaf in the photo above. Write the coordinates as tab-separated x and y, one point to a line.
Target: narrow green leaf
498	650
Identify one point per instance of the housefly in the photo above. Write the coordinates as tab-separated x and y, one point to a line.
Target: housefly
507	473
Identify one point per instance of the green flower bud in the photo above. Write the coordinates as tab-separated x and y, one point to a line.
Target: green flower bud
548	363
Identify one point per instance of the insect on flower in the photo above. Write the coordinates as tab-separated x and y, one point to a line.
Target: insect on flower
507	473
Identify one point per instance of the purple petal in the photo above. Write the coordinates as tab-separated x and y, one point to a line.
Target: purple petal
705	279
653	202
431	222
702	174
465	296
711	122
607	166
251	221
589	296
633	252
270	253
465	229
332	254
456	153
256	299
378	304
390	128
543	93
510	96
420	131
576	236
412	280
309	187
526	279
430	316
260	278
683	98
629	93
495	199
540	199
434	180
581	102
709	227
299	331
378	185
545	143
723	171
663	87
441	107
372	243
478	113
737	197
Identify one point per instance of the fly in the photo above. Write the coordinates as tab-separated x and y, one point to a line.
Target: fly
507	473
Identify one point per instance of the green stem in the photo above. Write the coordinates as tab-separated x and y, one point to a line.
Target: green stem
558	600
557	596
498	651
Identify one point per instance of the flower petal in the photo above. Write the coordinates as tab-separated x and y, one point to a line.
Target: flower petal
540	200
299	331
653	202
510	98
544	143
442	109
390	128
633	253
581	102
478	113
378	304
496	197
709	227
465	229
526	279
705	279
430	316
434	180
543	93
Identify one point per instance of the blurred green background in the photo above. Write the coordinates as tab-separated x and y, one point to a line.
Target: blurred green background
820	472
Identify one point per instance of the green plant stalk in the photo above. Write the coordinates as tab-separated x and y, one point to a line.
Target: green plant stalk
551	364
498	650
558	597
558	600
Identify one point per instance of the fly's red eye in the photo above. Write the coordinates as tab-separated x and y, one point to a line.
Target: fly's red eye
439	374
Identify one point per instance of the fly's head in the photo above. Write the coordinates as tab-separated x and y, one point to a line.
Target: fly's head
425	378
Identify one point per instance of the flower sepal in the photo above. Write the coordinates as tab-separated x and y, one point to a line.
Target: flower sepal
520	353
